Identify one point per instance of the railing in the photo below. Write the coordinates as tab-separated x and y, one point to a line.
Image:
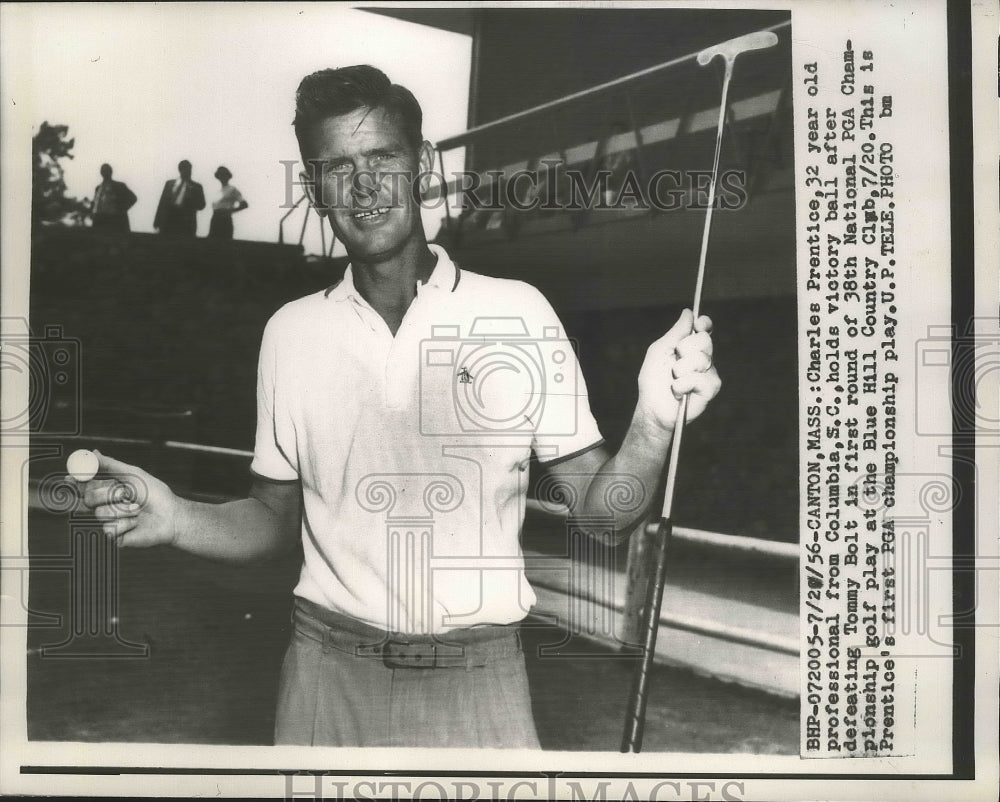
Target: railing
654	118
289	213
305	221
467	137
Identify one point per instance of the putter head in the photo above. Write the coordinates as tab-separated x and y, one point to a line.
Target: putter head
741	44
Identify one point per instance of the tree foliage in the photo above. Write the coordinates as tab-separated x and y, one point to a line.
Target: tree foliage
49	202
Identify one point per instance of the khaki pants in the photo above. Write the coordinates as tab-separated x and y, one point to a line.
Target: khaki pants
336	688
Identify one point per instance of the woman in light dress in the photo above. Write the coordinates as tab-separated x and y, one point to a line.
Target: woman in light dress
225	206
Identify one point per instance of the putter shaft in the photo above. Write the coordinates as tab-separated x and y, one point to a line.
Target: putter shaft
635	721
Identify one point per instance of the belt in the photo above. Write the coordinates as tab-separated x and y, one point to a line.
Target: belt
468	648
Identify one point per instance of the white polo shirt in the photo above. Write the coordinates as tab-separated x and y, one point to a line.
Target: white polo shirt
413	450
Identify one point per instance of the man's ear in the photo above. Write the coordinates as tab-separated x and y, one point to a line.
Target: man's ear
426	162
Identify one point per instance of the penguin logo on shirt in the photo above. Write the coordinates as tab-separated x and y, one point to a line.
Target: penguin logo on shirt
464	376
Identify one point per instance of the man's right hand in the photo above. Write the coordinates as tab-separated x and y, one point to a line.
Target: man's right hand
137	508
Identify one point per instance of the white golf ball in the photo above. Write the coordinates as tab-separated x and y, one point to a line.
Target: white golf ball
82	465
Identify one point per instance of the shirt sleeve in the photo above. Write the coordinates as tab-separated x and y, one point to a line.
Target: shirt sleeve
273	459
566	425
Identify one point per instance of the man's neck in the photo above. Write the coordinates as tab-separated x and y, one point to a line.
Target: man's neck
390	286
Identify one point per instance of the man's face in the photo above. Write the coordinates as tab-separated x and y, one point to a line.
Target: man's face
364	168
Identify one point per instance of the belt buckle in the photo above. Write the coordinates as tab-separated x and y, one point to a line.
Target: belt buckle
406	657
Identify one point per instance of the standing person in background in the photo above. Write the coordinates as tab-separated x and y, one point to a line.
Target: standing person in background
180	203
225	206
112	200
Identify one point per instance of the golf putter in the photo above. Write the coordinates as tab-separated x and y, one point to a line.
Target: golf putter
635	720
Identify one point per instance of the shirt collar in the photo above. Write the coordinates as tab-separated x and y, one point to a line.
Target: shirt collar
445	277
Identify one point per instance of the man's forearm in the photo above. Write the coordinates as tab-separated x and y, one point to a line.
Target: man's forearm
622	490
243	531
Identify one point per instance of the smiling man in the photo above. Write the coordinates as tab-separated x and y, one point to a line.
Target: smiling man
396	415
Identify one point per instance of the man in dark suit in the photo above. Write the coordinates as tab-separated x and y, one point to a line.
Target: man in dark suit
180	203
112	200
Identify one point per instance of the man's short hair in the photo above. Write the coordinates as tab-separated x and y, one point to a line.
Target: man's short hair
333	93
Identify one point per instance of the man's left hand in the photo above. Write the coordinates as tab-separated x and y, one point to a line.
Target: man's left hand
678	364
